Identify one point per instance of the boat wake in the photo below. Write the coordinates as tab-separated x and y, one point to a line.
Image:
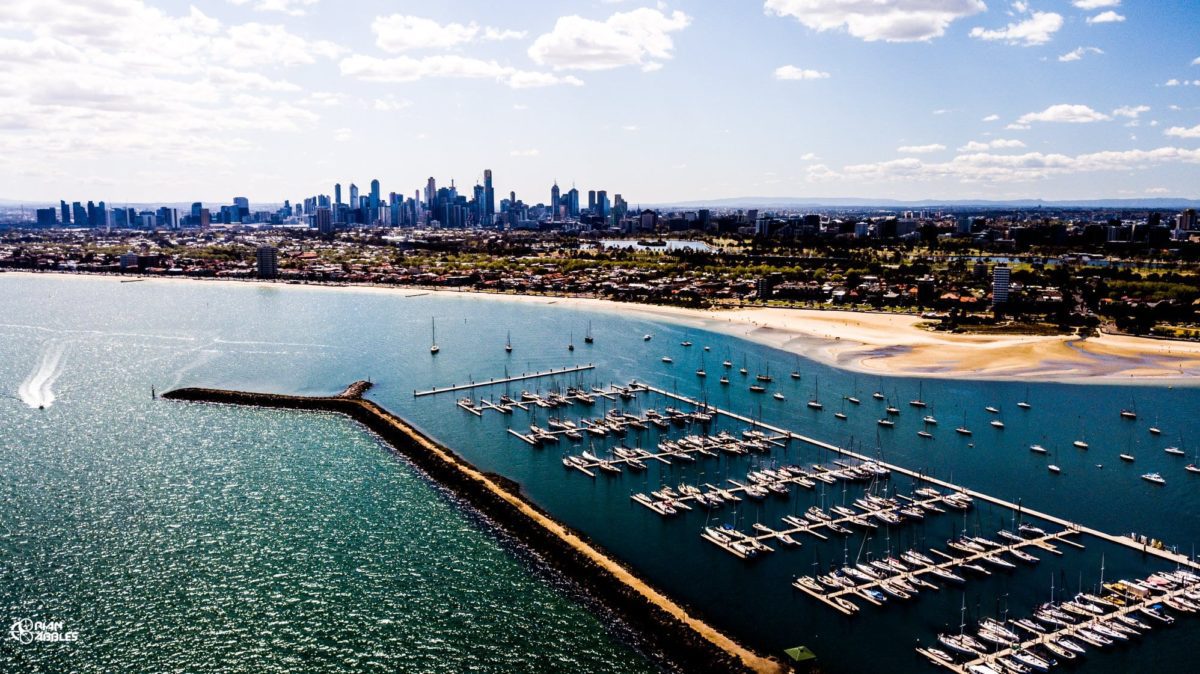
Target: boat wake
38	388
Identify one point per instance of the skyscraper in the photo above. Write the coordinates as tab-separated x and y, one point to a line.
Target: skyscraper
554	201
66	213
573	202
354	196
323	220
430	192
337	194
374	203
268	261
46	217
243	203
1000	284
489	197
591	201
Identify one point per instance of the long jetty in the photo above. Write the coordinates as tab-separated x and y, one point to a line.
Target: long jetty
504	380
672	632
1125	541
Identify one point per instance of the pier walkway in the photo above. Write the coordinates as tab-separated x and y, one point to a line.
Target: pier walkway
1126	541
504	380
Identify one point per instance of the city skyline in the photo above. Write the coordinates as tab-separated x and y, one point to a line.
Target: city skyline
673	102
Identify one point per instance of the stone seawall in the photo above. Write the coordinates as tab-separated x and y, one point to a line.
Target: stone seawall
684	643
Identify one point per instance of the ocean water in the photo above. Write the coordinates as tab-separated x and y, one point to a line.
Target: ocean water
185	537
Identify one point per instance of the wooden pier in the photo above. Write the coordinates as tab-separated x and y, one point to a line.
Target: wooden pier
505	380
1126	541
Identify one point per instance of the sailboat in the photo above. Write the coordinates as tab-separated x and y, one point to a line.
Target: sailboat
743	369
701	372
1129	412
1194	466
1024	404
853	398
796	372
963	430
841	414
571	343
1155	430
587	339
433	349
815	402
918	401
1053	468
508	342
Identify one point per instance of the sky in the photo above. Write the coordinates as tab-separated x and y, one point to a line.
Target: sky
139	101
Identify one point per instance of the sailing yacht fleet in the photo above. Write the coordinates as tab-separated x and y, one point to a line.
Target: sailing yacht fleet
1092	620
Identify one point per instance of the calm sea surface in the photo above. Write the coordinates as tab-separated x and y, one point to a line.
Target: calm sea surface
201	538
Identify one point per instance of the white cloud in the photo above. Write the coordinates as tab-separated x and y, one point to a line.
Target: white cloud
1078	53
1106	17
820	173
1182	132
409	69
1037	29
872	20
1096	4
289	7
343	135
630	127
920	149
118	79
397	33
1131	111
808	156
997	144
991	118
1066	113
1196	62
790	72
390	104
1157	190
532	152
1031	166
499	34
641	37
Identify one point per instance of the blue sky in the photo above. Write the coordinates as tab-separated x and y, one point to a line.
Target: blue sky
141	101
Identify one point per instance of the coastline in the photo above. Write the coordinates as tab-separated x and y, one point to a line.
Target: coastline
877	344
682	639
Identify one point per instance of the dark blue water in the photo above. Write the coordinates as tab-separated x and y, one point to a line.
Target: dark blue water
315	340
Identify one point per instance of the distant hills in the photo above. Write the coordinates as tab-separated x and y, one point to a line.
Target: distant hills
1160	203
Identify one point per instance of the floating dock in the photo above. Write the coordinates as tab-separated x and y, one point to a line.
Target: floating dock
504	380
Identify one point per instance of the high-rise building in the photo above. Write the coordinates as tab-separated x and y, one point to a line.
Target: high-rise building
1000	283
46	217
373	205
555	201
243	204
268	261
79	215
430	192
1187	220
66	213
323	220
489	197
591	201
354	196
196	208
337	194
601	208
573	202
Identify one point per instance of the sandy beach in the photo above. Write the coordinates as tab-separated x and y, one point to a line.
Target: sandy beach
870	343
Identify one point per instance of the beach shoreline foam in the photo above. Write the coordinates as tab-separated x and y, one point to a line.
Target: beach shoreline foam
878	344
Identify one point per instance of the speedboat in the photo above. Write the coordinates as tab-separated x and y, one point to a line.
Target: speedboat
1154	478
1037	448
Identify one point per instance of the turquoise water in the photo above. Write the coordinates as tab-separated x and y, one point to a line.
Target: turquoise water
310	547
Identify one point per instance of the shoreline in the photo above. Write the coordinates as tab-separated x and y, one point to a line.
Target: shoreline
868	343
678	637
